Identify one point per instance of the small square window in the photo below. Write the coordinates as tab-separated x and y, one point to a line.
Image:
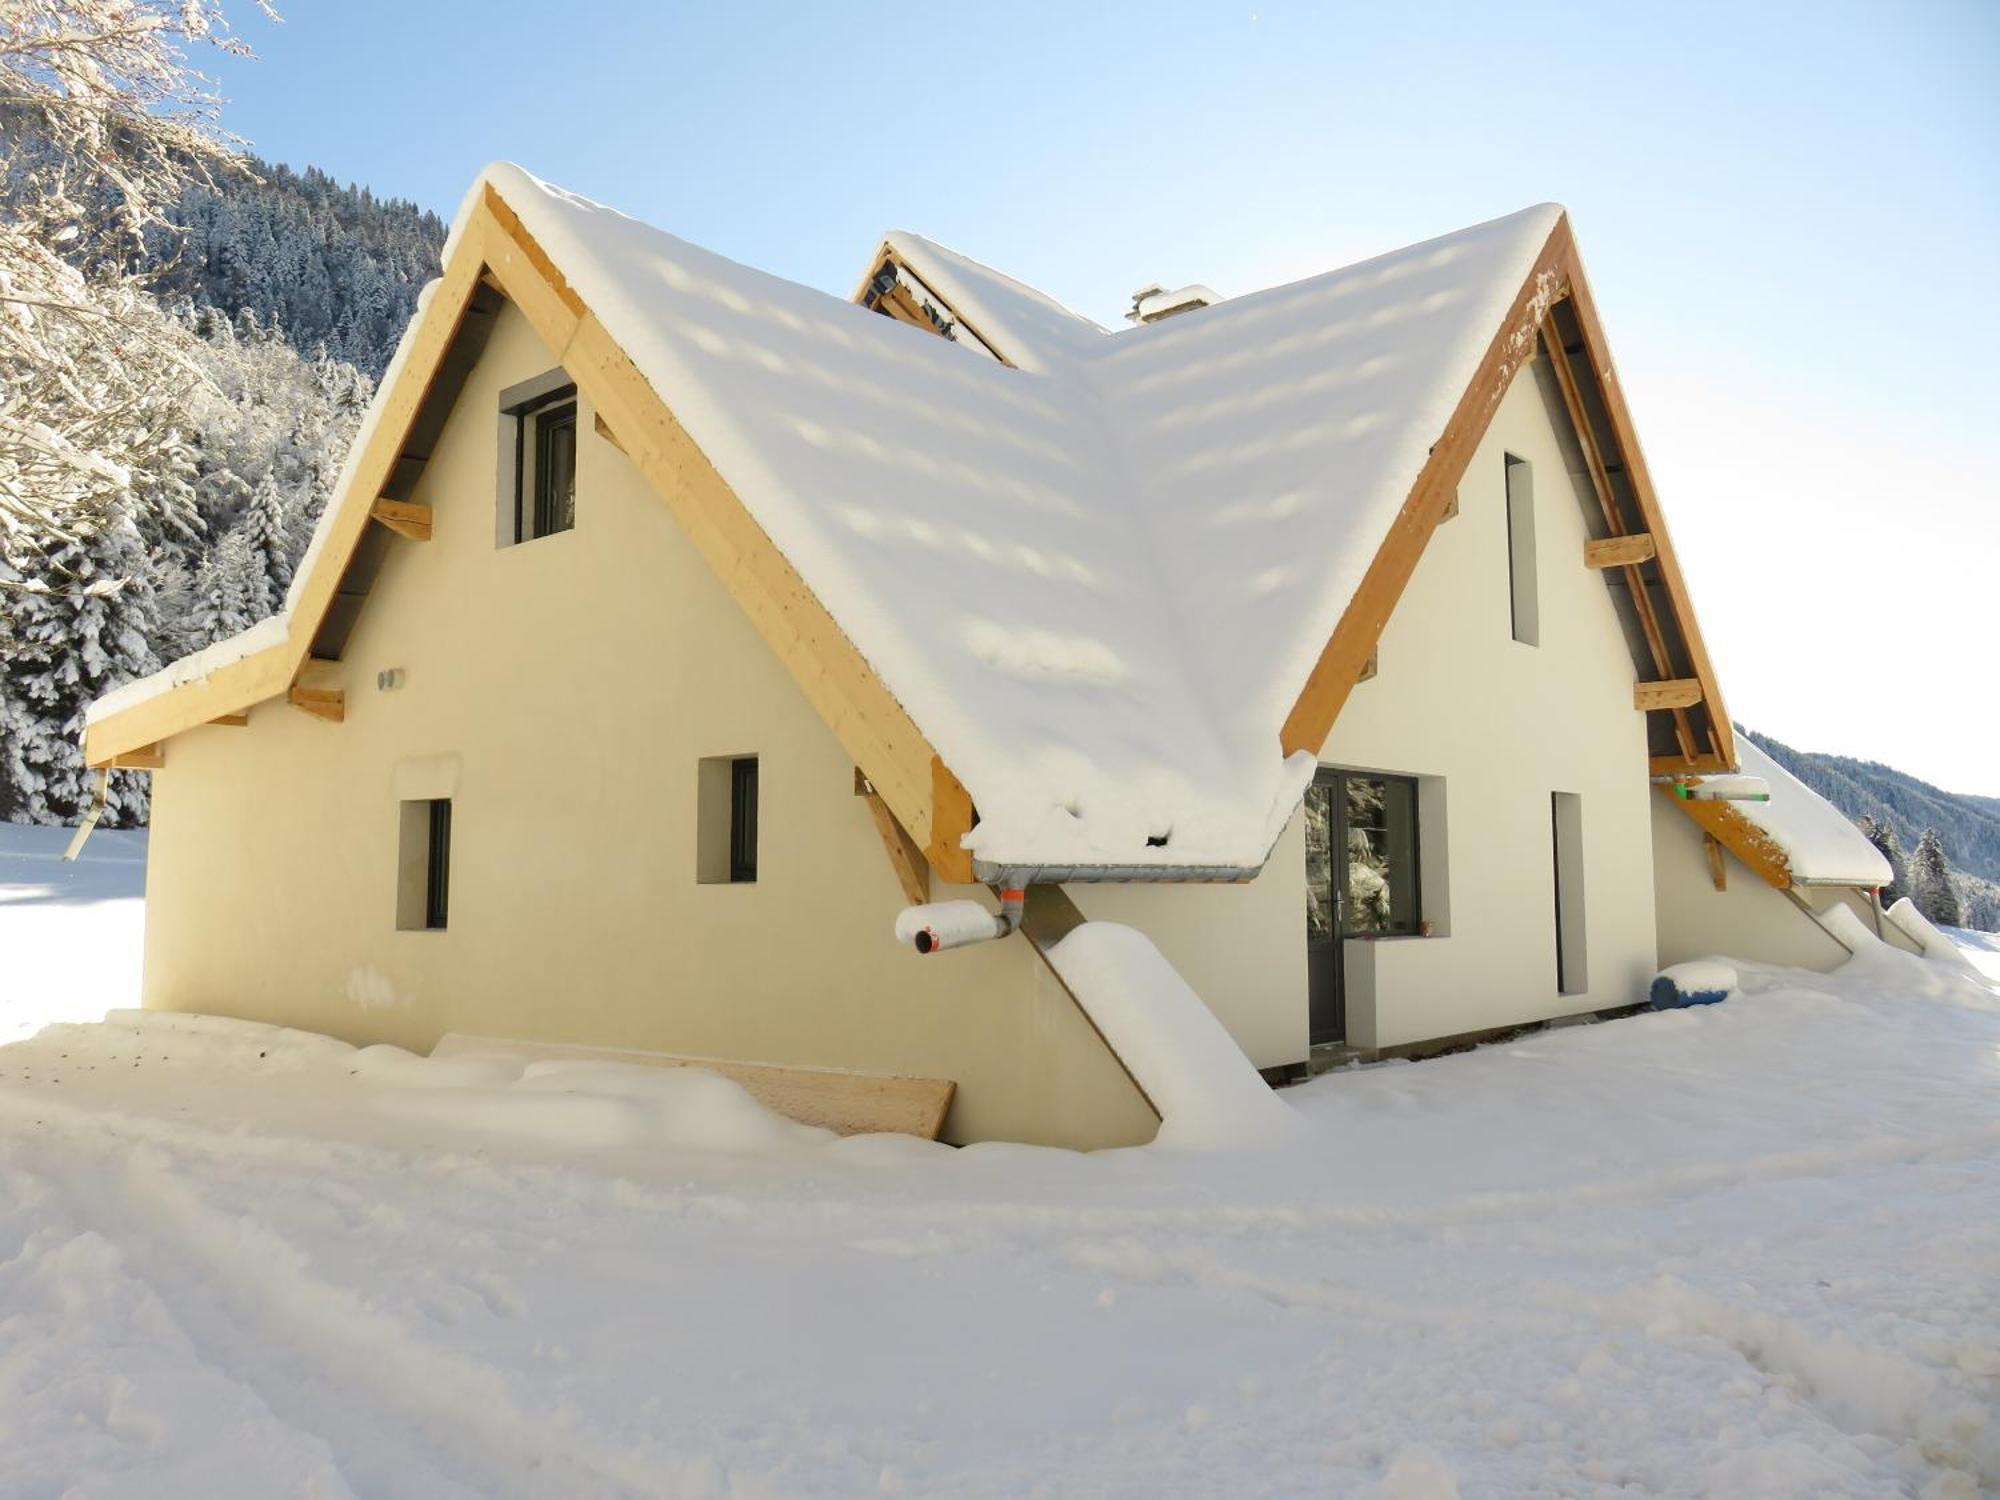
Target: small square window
423	875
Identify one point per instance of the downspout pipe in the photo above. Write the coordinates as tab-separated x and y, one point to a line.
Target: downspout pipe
939	925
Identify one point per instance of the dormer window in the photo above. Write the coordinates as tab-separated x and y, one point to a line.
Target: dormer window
538	450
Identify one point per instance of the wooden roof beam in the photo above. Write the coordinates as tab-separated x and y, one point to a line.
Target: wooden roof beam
1678	692
906	860
1619	551
328	703
405	518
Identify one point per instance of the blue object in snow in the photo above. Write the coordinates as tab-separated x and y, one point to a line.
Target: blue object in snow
1681	985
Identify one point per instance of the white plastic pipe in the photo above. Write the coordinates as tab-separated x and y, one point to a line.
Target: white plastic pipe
938	925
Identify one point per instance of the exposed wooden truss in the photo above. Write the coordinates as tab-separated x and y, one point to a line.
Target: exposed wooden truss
1718	870
1727	826
143	758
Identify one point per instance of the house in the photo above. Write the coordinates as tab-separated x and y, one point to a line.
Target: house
674	626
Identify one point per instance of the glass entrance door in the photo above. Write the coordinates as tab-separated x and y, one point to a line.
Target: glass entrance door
1361	879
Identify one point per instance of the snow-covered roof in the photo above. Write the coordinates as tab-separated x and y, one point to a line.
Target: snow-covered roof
1819	843
1098	579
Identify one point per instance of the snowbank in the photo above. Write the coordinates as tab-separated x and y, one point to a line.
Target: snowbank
1914	925
1205	1089
71	935
1605	1259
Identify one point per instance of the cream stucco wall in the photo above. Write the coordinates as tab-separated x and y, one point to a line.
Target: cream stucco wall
1497	727
563	692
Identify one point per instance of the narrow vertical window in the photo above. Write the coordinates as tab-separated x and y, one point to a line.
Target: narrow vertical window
423	866
743	819
437	879
1566	830
555	469
538	458
1521	589
725	830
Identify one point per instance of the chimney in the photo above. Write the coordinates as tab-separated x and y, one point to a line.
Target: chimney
1152	303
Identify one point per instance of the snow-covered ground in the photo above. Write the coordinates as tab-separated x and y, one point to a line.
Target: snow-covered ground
1750	1250
70	934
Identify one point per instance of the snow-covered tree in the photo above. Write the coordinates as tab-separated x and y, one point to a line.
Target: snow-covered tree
105	124
1882	835
1931	887
80	624
1982	907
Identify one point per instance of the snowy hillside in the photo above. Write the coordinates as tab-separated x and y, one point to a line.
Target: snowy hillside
1749	1250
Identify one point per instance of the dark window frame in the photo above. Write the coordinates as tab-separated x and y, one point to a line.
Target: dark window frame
743	820
1407	795
538	509
437	866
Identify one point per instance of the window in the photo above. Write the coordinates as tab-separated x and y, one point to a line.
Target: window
726	820
423	885
1361	856
743	819
1521	551
538	458
1566	824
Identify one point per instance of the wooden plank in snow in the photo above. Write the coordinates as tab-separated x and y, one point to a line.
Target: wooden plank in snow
846	1103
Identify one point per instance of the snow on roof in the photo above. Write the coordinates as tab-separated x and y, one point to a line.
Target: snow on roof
1098	580
1820	844
1030	328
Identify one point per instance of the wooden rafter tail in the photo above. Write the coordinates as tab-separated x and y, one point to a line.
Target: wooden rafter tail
1718	871
329	704
1676	692
404	517
926	800
1361	624
1706	764
144	758
1619	551
232	721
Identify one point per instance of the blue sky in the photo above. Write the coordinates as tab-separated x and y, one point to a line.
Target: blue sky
1790	214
